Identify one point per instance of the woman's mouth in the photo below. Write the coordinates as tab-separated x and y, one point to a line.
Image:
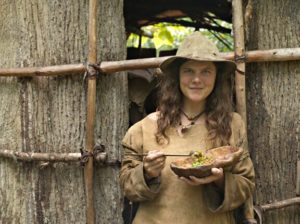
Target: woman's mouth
196	88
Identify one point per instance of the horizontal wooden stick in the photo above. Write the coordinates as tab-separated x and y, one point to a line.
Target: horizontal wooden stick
280	204
36	156
44	71
143	63
47	157
284	54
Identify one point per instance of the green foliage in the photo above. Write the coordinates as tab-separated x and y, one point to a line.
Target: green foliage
224	41
167	36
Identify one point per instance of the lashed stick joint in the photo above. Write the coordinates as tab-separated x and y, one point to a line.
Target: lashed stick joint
98	154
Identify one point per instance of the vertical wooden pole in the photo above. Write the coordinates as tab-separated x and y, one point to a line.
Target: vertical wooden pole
239	50
90	122
298	179
247	212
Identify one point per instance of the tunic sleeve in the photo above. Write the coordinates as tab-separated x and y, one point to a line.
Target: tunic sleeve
239	179
132	179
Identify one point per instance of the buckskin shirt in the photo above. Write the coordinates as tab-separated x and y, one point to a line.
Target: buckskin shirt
171	200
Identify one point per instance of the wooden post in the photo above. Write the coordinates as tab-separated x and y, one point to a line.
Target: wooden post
298	179
90	122
240	87
239	49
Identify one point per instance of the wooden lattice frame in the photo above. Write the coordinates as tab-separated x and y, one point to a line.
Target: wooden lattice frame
92	68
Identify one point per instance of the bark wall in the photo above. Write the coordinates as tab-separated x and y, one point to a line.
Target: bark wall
112	110
273	105
48	114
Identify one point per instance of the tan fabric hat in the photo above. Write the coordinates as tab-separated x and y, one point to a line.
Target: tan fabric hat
199	48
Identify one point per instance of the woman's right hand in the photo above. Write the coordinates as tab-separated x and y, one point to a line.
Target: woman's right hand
154	162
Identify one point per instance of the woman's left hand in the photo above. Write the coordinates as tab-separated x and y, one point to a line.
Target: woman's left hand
217	177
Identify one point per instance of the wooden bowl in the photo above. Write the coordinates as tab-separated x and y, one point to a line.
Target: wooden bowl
225	156
183	168
221	157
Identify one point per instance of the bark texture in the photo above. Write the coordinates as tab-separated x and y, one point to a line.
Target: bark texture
111	112
47	114
273	105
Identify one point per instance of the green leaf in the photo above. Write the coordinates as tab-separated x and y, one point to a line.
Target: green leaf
168	36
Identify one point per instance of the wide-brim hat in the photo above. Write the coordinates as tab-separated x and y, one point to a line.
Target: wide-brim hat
199	48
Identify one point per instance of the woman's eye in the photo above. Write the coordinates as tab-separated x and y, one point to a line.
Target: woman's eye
188	71
206	72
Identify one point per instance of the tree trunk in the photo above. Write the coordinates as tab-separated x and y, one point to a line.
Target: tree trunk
273	105
47	114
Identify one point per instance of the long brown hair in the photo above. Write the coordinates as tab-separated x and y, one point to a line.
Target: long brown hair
218	106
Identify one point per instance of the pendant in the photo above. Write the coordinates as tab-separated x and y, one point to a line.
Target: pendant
183	128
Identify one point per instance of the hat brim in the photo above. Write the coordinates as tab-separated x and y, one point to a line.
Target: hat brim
227	65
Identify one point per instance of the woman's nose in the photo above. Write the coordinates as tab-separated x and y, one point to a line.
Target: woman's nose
197	78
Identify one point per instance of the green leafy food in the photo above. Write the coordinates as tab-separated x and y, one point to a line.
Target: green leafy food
199	159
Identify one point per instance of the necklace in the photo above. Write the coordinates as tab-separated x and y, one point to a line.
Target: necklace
192	119
183	128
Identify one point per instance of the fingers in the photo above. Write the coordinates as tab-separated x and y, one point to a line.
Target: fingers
154	158
224	160
154	165
203	180
153	155
154	170
154	162
217	174
189	181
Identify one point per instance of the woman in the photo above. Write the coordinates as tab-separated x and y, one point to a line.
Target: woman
194	113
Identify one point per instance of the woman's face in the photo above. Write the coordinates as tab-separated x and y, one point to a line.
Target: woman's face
197	80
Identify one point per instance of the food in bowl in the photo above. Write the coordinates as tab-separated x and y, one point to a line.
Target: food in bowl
199	164
200	159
